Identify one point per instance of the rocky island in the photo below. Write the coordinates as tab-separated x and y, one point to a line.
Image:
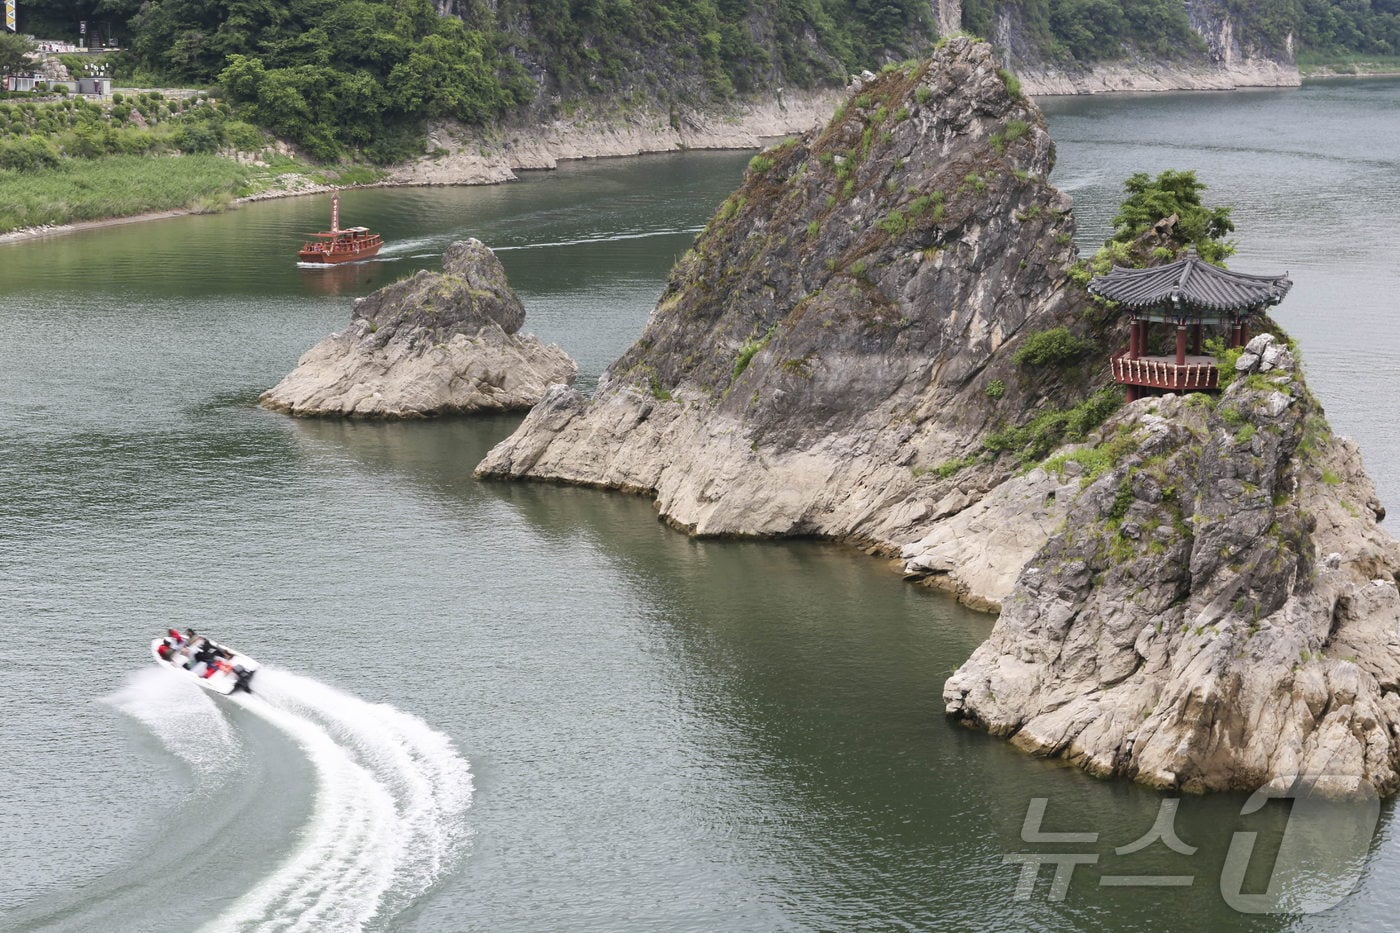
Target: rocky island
1217	611
431	344
882	338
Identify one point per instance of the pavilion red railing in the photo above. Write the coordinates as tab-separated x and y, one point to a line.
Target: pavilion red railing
1164	374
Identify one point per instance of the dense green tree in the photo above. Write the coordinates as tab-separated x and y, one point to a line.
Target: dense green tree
16	53
359	66
1090	29
1151	200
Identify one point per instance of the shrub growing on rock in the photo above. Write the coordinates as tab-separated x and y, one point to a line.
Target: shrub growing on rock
1174	192
1055	346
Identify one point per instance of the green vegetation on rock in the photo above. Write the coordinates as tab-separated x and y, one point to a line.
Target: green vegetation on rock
1034	440
750	349
1149	201
1052	347
1225	359
1096	460
1174	192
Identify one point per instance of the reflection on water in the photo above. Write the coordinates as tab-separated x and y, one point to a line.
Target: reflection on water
346	278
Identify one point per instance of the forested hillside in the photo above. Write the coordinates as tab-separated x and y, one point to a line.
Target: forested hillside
336	75
734	45
364	73
1089	30
1096	30
1329	27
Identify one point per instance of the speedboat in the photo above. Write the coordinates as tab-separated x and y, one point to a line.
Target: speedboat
208	663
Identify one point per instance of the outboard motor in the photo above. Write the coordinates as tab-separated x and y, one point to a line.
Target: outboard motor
243	679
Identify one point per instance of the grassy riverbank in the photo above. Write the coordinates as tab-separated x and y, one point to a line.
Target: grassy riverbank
117	186
1314	65
76	190
67	161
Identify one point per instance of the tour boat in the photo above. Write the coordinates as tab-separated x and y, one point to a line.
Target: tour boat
337	245
206	662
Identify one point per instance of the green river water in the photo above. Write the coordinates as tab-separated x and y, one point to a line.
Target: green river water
527	707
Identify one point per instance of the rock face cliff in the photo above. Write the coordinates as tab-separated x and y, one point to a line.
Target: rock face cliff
1224	50
1219	609
876	340
793	85
431	344
830	341
474	155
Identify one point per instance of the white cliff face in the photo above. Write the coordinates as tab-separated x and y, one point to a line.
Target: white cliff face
432	344
1229	58
470	155
1141	74
1218	611
947	16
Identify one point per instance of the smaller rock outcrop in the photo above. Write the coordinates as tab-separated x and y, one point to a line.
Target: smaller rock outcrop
432	344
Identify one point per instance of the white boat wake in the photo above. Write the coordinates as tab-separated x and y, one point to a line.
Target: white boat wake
388	818
186	721
600	238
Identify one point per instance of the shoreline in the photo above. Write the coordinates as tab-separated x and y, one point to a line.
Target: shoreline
1330	75
493	156
25	234
472	156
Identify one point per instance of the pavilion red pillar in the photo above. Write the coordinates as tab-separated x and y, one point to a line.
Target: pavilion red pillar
1244	333
1196	336
1181	344
1134	347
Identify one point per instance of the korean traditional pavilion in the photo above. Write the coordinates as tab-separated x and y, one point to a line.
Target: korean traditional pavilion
1189	295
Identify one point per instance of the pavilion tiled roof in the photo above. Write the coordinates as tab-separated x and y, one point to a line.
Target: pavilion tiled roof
1190	283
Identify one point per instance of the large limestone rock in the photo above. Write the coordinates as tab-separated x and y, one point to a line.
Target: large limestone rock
432	344
1193	594
831	339
977	552
1218	610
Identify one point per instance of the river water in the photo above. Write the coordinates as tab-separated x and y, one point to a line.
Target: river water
520	707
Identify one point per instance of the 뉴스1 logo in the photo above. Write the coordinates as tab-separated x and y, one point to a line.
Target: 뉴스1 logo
1320	855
